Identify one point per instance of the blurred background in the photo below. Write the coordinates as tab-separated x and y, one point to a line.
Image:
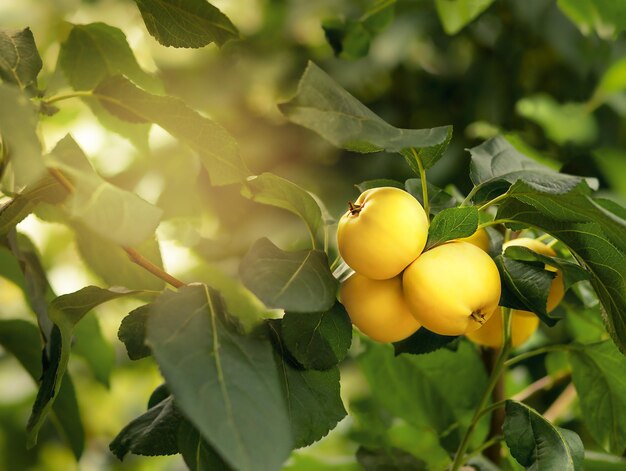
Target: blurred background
548	77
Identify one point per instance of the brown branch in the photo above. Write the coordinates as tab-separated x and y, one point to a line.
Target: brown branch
134	256
547	382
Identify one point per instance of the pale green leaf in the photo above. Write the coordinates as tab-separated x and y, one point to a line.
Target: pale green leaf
19	59
455	14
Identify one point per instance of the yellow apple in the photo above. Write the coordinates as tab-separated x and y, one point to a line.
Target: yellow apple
557	288
480	239
378	308
382	232
452	289
523	325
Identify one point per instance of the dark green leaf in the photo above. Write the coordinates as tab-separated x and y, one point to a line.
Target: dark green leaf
572	272
312	397
598	372
152	433
529	283
452	223
423	341
388	459
22	340
133	333
438	198
421	390
427	155
224	382
197	453
97	351
273	190
294	281
217	149
318	340
455	14
95	51
20	62
496	164
65	311
323	106
18	129
594	235
111	262
537	444
186	23
349	40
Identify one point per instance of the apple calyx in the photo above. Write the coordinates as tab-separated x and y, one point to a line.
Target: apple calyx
354	208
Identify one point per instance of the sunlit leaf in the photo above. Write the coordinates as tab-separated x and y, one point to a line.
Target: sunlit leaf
18	129
217	149
186	23
455	14
598	372
537	444
322	105
225	383
19	59
294	281
273	190
95	51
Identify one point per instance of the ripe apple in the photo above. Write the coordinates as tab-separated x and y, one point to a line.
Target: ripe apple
480	239
382	232
378	308
523	325
452	289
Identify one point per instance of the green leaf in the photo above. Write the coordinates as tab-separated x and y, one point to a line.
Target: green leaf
111	263
217	149
598	372
421	390
152	433
423	341
273	190
349	40
111	212
528	283
439	199
18	130
20	62
572	272
95	51
197	453
225	383
455	14
95	349
312	397
594	235
22	340
595	461
452	223
601	15
294	281
66	311
496	164
318	340
186	23
427	155
537	444
323	106
612	163
568	123
132	333
387	459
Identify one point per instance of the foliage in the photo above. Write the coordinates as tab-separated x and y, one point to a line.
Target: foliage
257	356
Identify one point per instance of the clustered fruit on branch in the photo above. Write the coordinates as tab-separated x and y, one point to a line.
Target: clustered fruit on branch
397	287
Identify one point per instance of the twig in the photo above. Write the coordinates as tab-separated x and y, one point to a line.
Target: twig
562	404
547	382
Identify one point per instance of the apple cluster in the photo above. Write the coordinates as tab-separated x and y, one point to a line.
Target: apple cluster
398	287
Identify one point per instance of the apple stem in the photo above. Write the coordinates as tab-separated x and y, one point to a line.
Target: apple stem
354	208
